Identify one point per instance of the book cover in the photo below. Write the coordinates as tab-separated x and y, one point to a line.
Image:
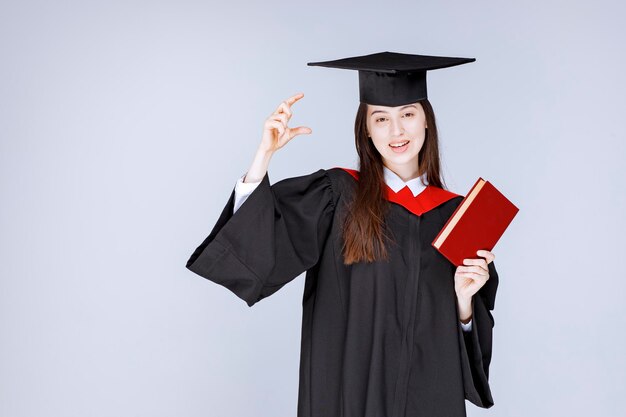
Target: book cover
477	223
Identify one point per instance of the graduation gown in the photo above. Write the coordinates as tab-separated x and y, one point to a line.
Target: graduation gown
379	339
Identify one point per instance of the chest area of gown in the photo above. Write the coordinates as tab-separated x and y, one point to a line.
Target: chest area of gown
413	264
395	303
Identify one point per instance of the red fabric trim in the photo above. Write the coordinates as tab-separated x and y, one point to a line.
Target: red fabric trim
425	201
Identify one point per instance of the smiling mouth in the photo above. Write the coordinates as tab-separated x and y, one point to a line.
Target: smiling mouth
398	144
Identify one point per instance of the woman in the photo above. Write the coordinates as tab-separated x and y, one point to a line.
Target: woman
390	326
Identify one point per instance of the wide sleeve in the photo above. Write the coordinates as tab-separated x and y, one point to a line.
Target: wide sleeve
278	232
476	344
242	191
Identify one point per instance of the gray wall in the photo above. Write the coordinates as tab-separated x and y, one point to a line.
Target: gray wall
124	126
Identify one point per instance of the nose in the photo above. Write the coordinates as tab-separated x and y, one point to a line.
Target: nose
396	127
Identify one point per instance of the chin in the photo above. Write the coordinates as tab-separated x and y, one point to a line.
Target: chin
402	158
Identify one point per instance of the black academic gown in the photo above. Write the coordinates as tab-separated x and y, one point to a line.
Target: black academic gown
379	339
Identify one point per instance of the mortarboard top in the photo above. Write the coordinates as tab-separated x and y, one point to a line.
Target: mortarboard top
392	78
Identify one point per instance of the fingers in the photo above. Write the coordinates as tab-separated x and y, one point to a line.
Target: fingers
293	132
474	273
479	269
476	261
300	130
294	98
281	117
285	106
489	256
478	265
277	125
478	277
283	112
475	268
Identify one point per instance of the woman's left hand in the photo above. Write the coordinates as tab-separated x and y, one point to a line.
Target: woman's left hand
472	275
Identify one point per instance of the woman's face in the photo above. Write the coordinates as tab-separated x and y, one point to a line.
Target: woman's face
389	126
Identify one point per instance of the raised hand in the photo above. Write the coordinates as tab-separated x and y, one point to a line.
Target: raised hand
276	132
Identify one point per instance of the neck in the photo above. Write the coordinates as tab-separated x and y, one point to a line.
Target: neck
406	172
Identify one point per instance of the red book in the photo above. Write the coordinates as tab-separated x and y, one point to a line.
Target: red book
477	223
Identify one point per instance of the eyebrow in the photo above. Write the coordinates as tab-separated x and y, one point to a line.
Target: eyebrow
403	107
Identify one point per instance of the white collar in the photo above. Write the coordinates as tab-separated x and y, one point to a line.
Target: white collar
396	183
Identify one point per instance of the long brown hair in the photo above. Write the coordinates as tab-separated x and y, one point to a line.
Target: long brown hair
364	227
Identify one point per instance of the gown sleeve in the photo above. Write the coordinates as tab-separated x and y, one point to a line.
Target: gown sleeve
476	344
243	190
277	233
467	327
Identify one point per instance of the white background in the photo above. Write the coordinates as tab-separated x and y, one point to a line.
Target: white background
125	124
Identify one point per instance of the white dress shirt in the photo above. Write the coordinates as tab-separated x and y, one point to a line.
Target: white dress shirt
244	189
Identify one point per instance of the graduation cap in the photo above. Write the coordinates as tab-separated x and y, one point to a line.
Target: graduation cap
392	78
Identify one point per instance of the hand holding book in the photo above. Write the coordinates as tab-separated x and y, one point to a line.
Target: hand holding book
469	278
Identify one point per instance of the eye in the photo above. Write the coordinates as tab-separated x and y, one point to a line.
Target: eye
409	114
381	118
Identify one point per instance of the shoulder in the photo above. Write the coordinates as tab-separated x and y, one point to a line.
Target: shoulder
341	172
451	203
342	178
454	202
